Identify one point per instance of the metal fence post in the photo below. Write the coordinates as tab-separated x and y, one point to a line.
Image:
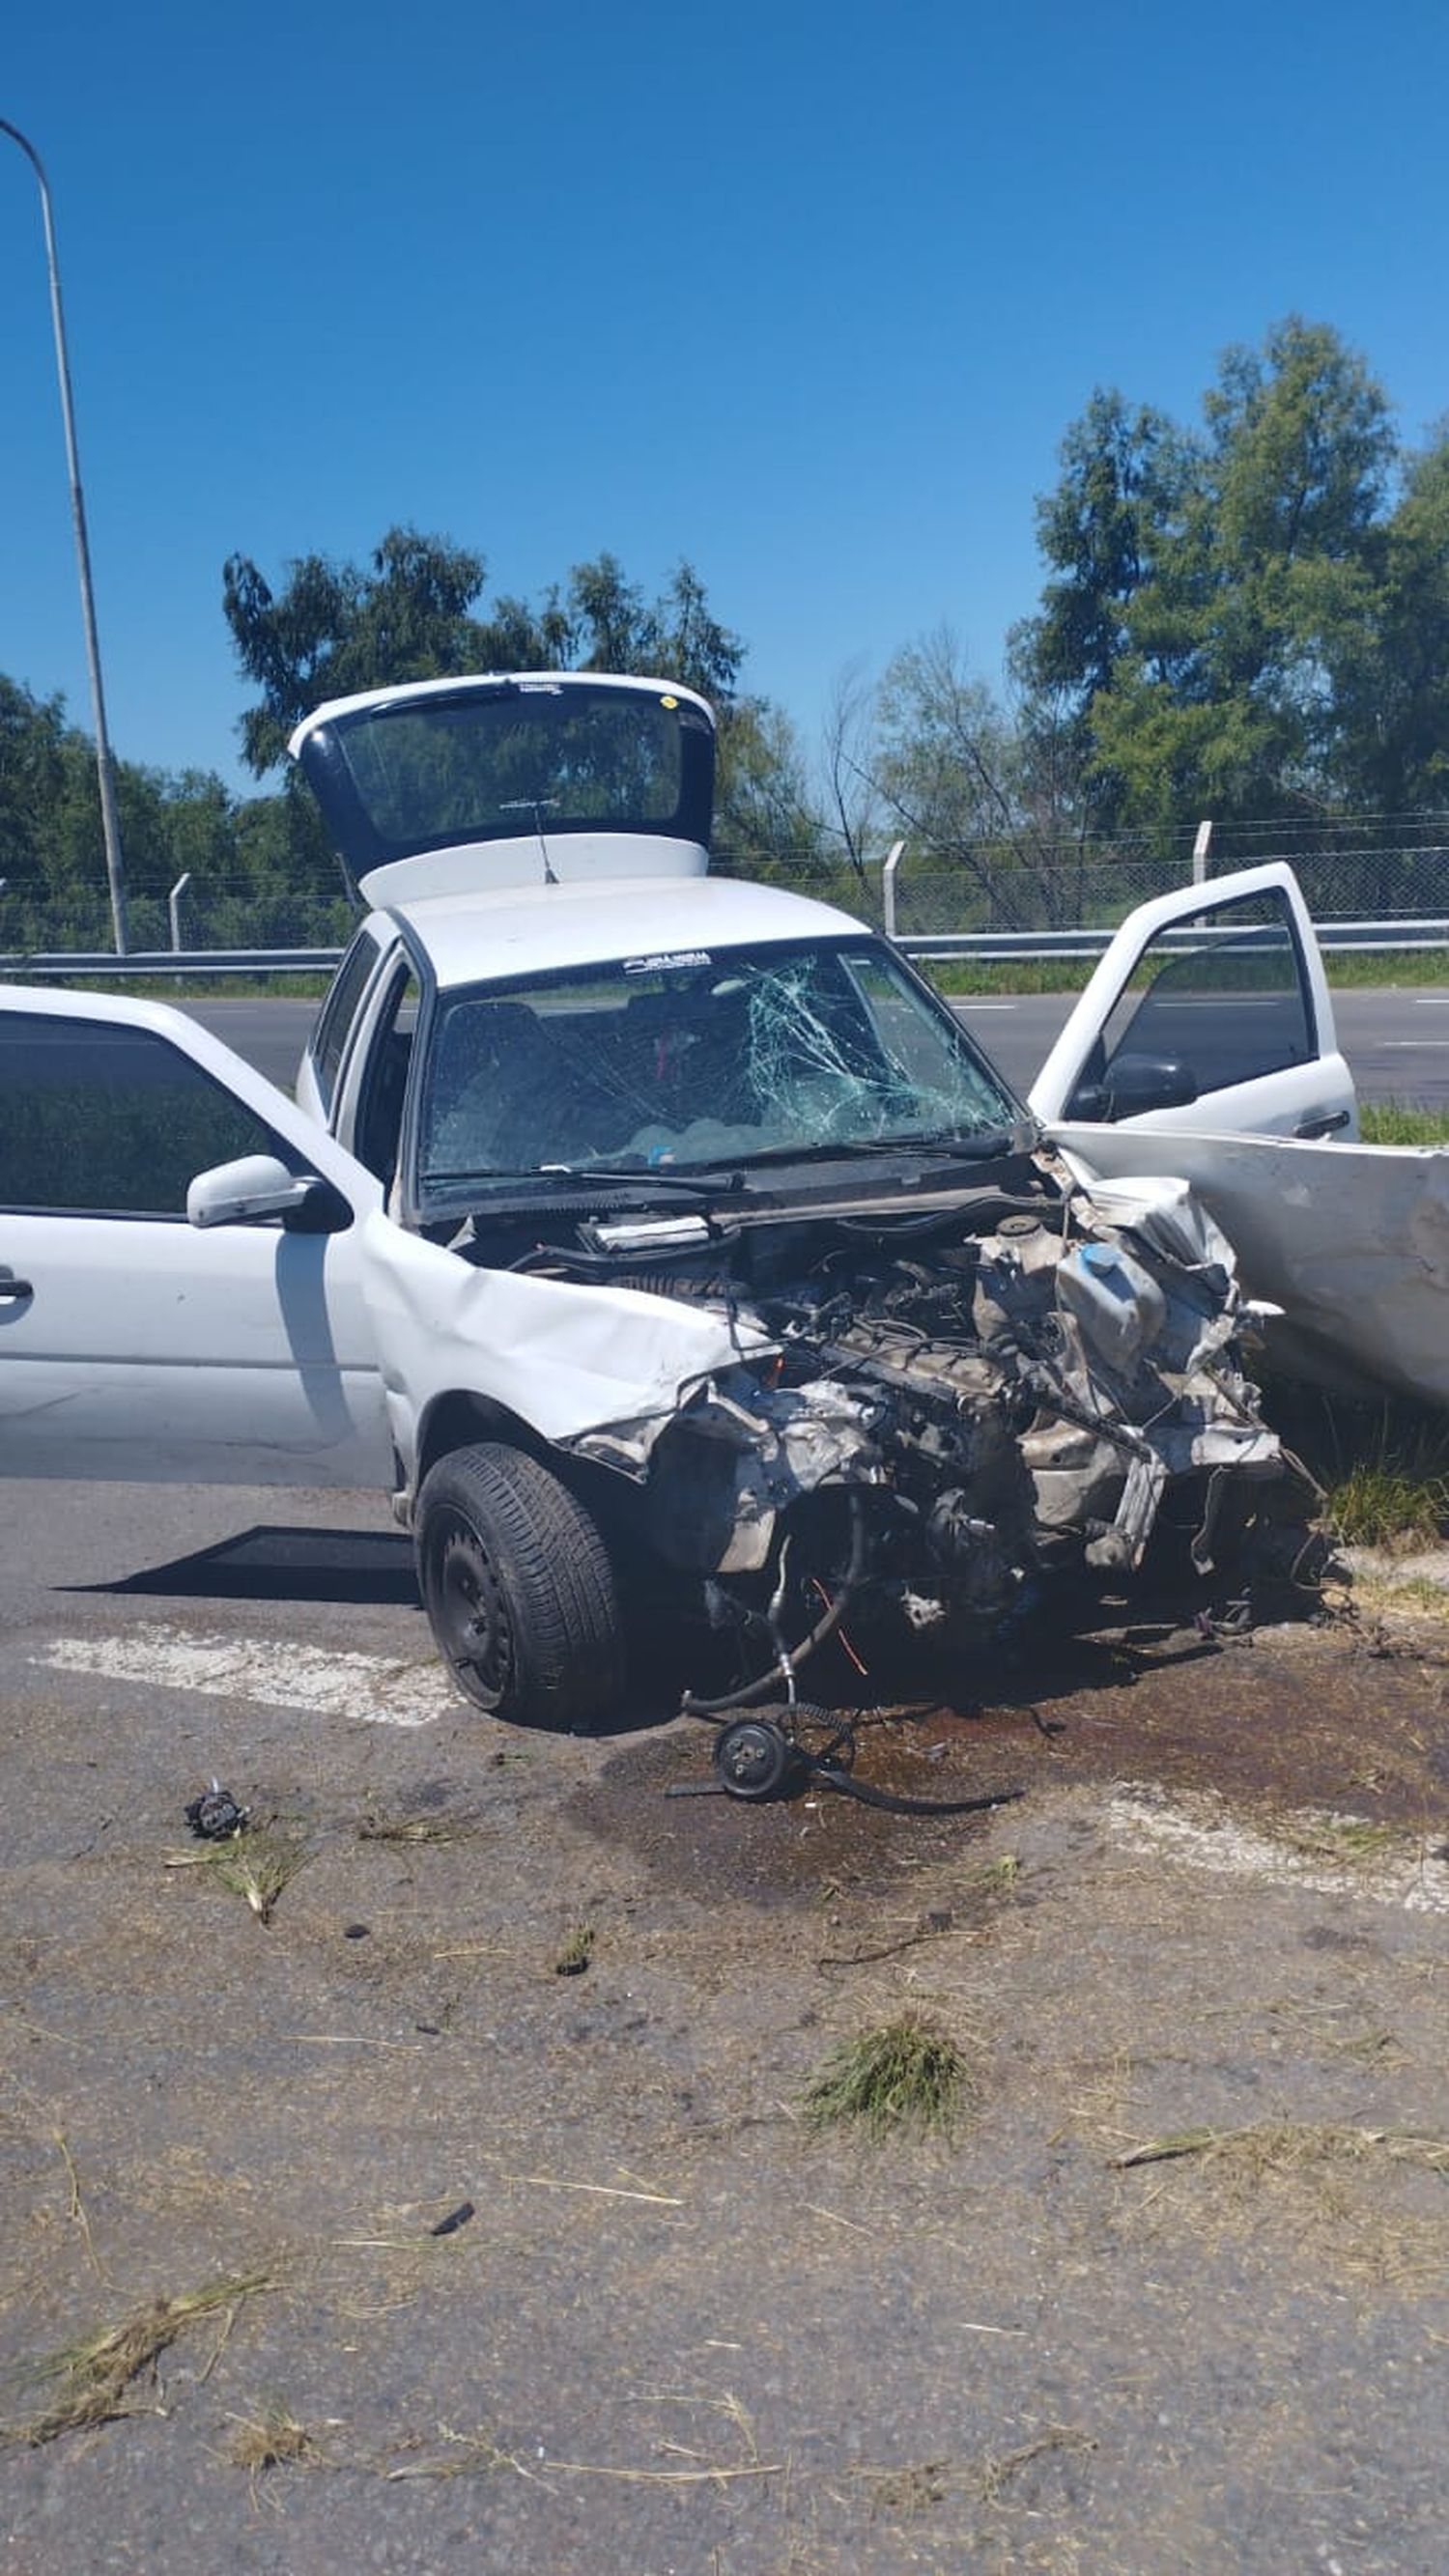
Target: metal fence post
173	907
888	887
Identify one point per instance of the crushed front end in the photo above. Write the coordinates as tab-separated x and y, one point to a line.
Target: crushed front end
928	1407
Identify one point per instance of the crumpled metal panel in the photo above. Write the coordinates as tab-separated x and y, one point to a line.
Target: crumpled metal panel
1351	1241
566	1357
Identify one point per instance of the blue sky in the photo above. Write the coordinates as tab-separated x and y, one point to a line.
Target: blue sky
805	293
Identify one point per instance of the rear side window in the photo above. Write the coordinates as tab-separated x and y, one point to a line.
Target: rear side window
334	1021
106	1120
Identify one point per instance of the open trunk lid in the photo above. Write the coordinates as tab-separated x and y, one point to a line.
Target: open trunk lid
511	779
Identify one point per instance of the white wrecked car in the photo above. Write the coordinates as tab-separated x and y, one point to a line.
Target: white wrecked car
644	1232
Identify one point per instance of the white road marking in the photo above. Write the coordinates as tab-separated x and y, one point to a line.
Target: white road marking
1411	1046
373	1690
1205	1834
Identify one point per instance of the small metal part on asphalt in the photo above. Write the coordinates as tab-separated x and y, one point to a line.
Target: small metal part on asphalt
215	1815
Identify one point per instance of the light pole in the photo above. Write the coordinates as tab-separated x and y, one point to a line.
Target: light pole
110	820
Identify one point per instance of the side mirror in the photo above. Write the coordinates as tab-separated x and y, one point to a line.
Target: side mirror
1135	1083
257	1187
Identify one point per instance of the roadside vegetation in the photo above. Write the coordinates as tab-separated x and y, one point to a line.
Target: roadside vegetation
958	976
902	2075
1400	1122
1243	616
1383	1467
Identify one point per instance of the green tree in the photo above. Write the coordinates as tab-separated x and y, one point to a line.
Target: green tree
981	790
336	628
1126	477
1212	593
1389	663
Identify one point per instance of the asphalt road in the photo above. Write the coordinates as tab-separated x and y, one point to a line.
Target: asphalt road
1396	1041
547	2272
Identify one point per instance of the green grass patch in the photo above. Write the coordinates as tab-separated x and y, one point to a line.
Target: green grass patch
1383	1504
1388	966
1399	1122
905	2075
1384	1467
1012	975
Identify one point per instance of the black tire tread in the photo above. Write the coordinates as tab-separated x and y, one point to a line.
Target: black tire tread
556	1568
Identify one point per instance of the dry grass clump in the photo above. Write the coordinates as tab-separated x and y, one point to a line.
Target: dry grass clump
1320	2181
272	2440
92	2378
256	1863
1349	1841
575	1951
418	1829
902	2076
1271	2147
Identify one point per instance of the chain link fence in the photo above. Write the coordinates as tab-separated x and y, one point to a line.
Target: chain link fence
1355	872
1349	872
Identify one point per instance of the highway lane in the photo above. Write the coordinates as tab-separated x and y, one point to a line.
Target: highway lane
1396	1038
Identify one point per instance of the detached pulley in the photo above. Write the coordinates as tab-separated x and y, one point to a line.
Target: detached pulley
763	1757
755	1758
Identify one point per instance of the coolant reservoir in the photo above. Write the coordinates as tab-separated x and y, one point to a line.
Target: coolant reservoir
1117	1303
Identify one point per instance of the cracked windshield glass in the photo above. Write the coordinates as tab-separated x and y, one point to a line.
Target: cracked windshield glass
689	1061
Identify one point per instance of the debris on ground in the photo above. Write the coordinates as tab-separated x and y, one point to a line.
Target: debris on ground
215	1814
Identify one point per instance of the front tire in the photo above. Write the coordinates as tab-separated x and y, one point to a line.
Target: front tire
518	1589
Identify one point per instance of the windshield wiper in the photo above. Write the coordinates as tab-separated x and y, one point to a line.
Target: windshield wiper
584	1176
706	1185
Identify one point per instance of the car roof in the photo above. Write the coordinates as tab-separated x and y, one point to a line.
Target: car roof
475	938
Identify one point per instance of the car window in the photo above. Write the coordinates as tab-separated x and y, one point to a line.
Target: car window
380	1107
334	1021
111	1120
1219	1000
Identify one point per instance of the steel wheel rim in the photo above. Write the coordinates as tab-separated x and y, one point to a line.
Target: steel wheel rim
472	1613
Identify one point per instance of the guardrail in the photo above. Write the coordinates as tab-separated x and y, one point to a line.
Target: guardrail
170	961
1345	937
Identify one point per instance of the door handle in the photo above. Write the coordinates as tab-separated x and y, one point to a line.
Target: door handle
10	1286
1317	1127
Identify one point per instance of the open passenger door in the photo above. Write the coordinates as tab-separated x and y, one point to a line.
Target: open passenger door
1204	1047
1209	1011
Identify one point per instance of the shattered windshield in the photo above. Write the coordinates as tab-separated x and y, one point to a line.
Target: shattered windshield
689	1061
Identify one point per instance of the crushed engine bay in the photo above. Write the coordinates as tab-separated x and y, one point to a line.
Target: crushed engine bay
927	1406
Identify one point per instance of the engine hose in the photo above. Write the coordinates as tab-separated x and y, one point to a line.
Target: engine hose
786	1664
861	1790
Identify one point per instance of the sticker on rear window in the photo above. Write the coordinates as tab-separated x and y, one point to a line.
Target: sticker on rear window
666	958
